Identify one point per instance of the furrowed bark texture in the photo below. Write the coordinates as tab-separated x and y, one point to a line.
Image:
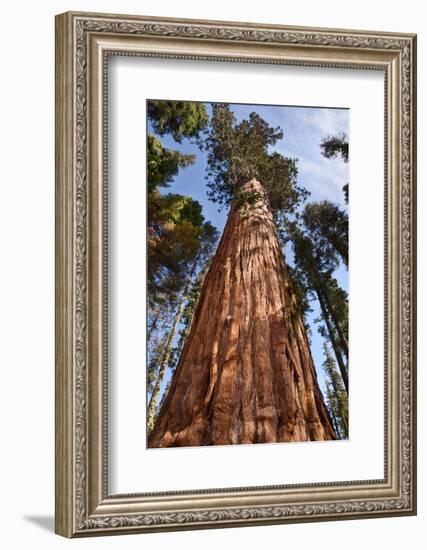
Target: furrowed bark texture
245	374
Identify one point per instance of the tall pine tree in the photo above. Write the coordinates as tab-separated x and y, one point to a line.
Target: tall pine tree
336	395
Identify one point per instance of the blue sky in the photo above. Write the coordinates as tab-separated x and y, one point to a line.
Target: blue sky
303	128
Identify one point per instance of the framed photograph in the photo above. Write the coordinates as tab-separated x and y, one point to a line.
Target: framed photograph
235	274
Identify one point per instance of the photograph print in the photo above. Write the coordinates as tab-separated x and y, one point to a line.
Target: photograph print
247	274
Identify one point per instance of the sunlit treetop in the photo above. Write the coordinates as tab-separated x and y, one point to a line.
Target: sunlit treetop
240	151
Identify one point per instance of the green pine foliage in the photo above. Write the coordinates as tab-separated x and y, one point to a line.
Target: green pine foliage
335	146
338	298
180	119
240	151
175	223
327	225
302	294
314	269
163	164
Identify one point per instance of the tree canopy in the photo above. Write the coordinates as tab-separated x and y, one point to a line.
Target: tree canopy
240	151
174	229
163	164
327	225
335	146
180	119
176	226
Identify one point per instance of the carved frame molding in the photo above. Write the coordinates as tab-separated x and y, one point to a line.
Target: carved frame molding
83	44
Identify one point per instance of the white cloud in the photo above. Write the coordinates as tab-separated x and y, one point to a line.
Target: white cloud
304	129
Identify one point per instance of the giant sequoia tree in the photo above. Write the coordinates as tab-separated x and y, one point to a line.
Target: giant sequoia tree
245	374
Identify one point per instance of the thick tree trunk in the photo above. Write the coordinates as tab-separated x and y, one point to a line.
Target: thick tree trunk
245	374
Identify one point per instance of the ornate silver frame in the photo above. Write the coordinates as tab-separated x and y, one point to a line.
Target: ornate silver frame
83	42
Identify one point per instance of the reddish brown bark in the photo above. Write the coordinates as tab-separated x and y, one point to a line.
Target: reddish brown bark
246	373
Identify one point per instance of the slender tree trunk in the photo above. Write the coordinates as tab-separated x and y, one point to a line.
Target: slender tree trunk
338	398
163	365
168	350
245	374
334	419
343	415
153	365
331	332
340	248
341	335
